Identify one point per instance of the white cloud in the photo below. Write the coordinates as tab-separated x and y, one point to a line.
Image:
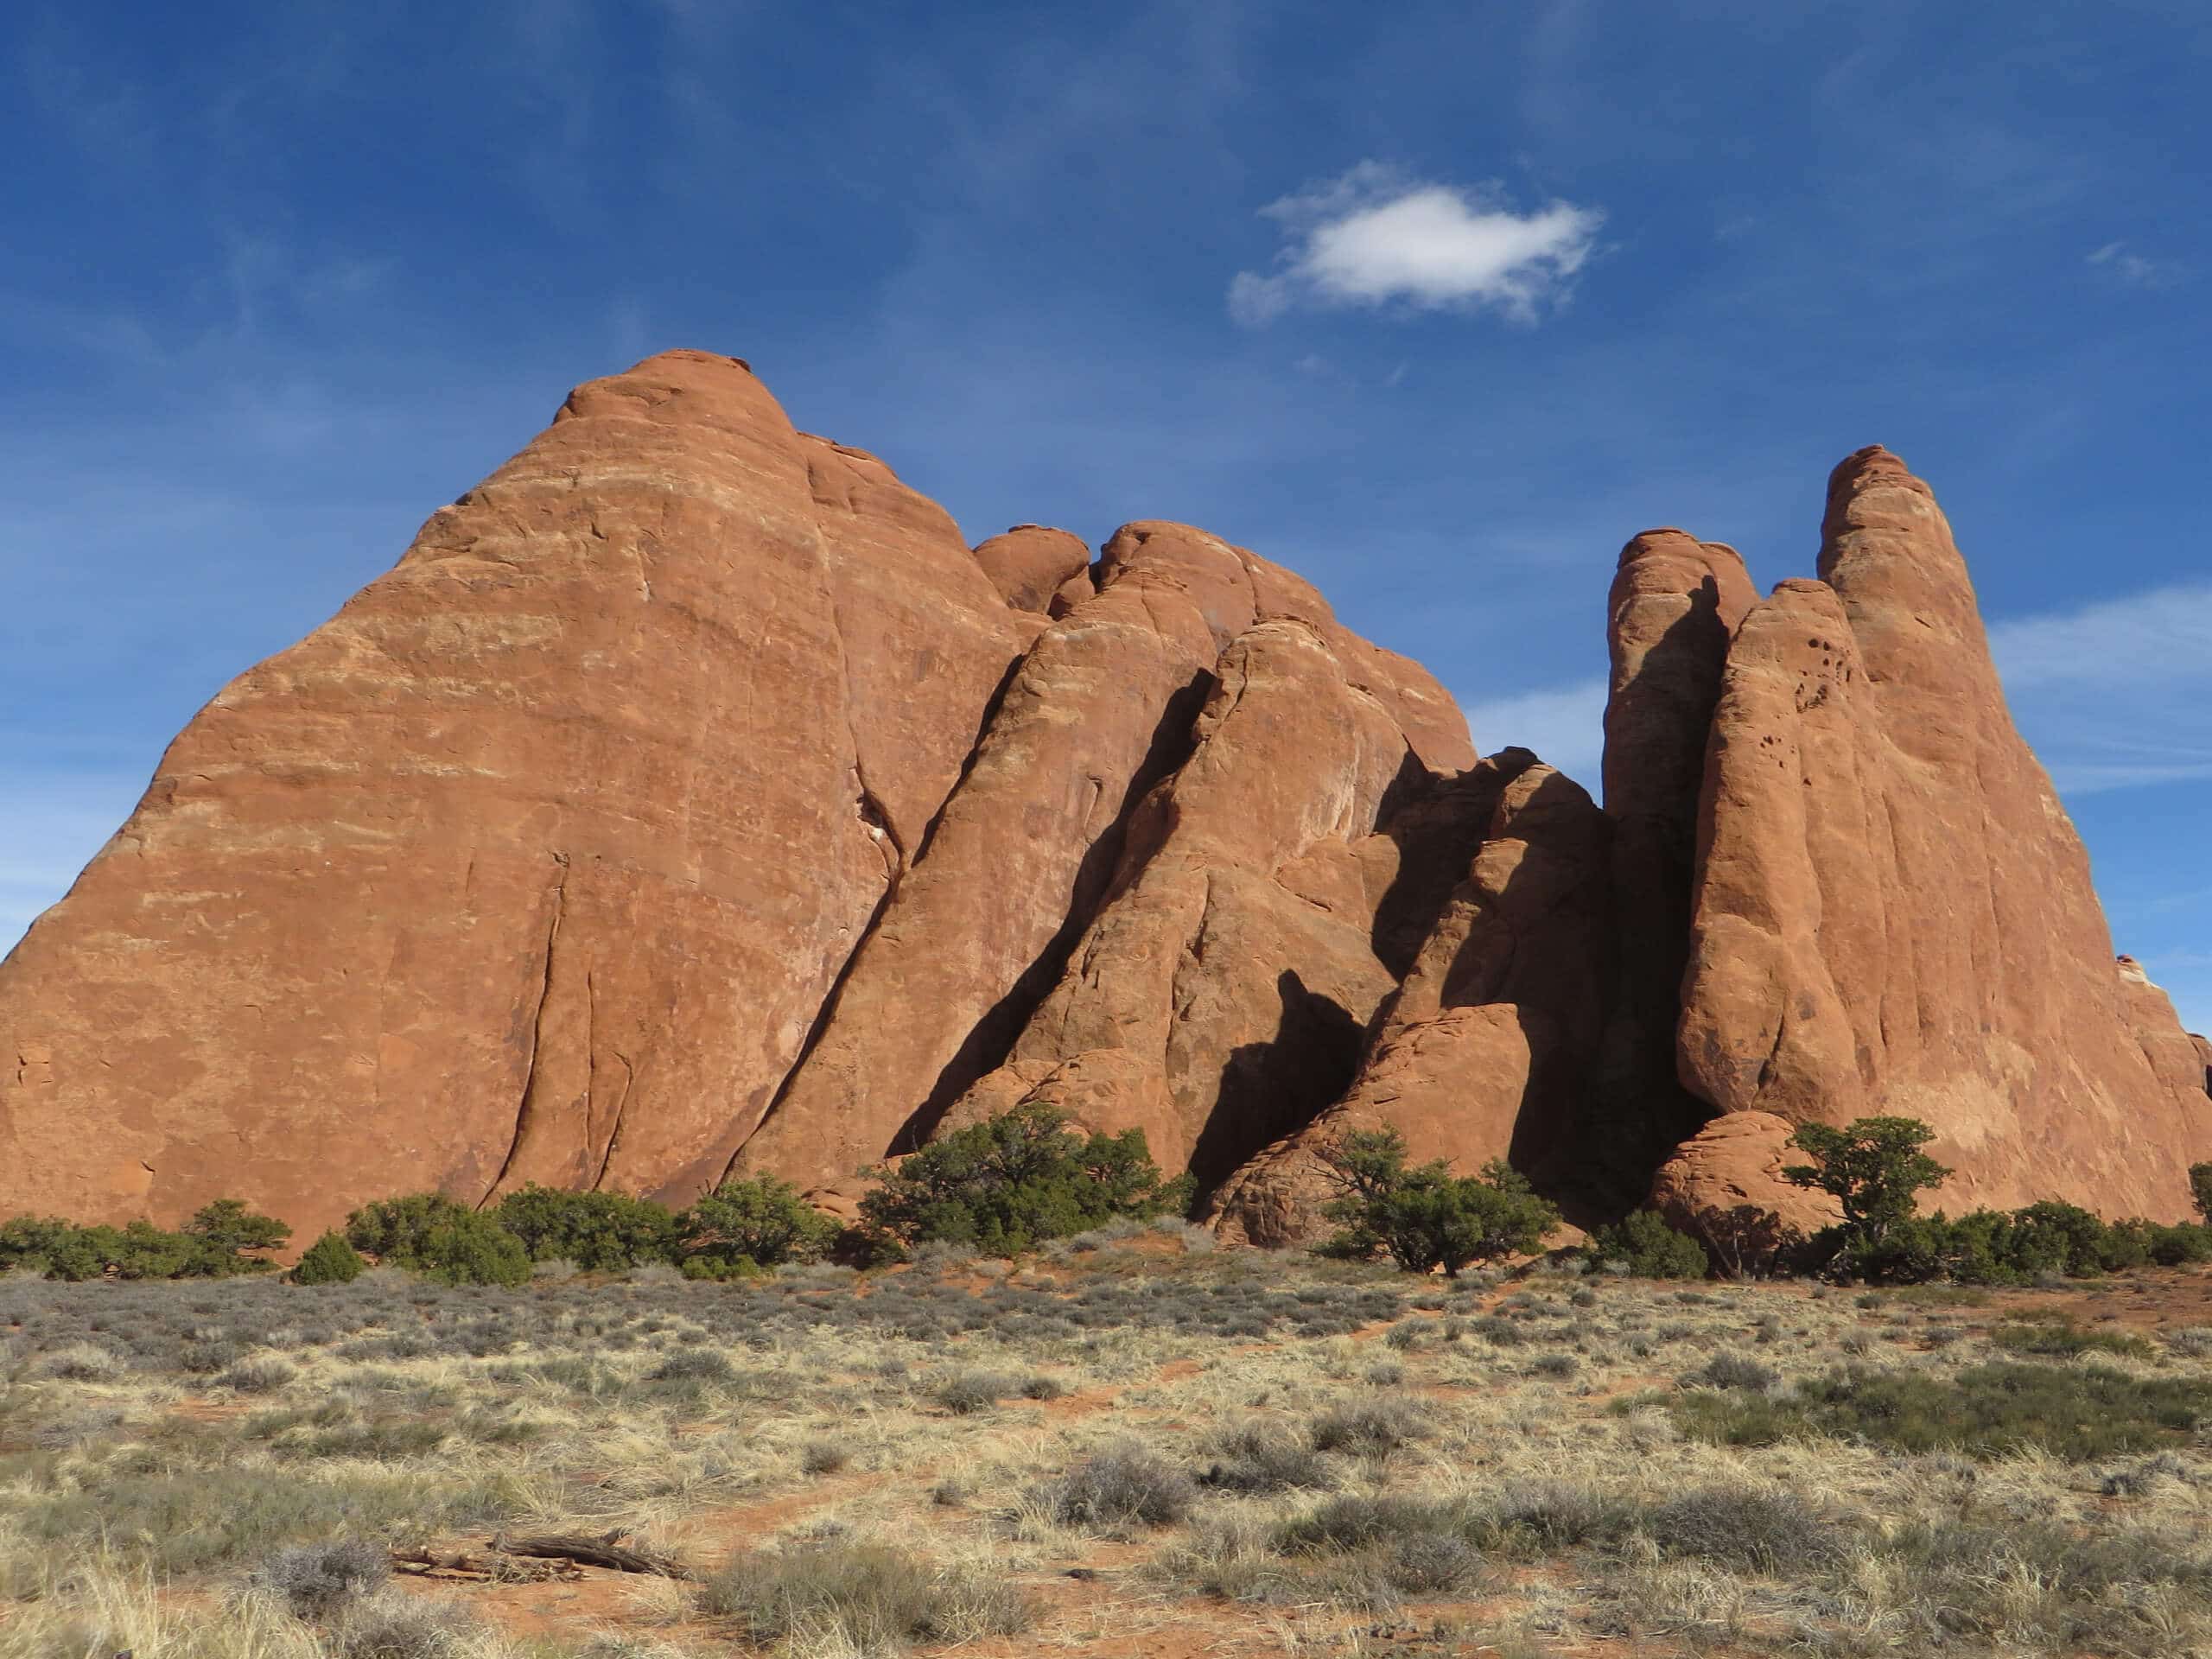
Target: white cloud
1564	725
1375	236
2135	270
2117	693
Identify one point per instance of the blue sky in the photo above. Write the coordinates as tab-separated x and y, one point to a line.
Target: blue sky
1437	304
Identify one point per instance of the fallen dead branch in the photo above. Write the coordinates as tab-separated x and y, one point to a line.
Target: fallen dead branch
606	1550
459	1567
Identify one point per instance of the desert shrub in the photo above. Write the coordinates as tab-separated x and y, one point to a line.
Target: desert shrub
823	1458
1368	1426
1355	1520
405	1627
226	1230
316	1579
211	1245
865	1597
965	1393
2063	1338
1729	1370
2179	1244
1004	1186
1644	1245
2073	1412
1542	1518
429	1234
1742	1526
694	1365
1875	1169
2200	1189
1041	1387
2050	1237
257	1376
1122	1486
80	1362
2045	1242
185	1520
754	1222
1431	1563
600	1232
329	1260
1262	1457
1426	1217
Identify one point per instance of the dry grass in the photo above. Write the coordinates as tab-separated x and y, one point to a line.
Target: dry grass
1128	1449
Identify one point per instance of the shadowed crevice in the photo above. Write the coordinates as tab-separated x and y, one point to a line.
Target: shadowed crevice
1271	1090
991	1039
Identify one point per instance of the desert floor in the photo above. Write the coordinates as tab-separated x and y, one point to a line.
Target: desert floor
1134	1445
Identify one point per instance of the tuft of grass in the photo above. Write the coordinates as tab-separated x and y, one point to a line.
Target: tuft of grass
315	1580
1122	1486
393	1626
965	1393
185	1520
2073	1412
1368	1427
694	1365
868	1597
823	1458
2063	1340
1729	1370
1744	1528
1261	1458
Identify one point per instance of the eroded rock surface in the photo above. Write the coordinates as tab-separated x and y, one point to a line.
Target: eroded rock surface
538	860
1892	912
690	798
1485	1051
684	749
1725	1186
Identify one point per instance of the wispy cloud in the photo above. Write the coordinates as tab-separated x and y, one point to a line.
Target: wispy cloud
2134	269
2117	693
1376	236
1564	724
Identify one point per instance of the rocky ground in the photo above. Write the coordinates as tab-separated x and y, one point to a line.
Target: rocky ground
1137	1445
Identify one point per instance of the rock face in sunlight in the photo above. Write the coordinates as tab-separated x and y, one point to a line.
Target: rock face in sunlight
692	798
1891	912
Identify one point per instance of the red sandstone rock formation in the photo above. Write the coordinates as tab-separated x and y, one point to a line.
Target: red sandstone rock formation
1030	564
1891	912
1484	1050
1725	1186
1675	604
690	798
686	748
537	861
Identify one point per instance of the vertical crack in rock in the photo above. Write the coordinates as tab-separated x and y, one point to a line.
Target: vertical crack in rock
522	1113
990	1040
876	822
968	762
823	1016
614	1129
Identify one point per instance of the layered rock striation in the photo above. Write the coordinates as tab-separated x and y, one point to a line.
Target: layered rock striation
691	799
